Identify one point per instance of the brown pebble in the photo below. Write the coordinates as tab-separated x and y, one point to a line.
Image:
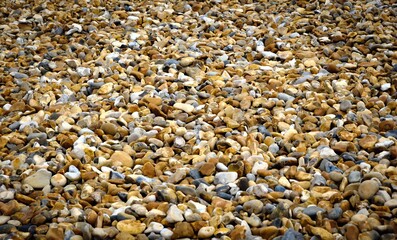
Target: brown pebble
183	230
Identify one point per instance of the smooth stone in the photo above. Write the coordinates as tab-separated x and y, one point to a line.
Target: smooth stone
336	176
392	203
225	177
39	179
166	233
354	176
174	214
206	232
391	133
83	72
318	180
6	228
352	232
109	128
154	227
73	174
177	176
120	158
184	107
7	195
4	219
312	211
335	213
359	218
58	180
253	206
328	153
291	234
368	189
345	105
324	234
285	97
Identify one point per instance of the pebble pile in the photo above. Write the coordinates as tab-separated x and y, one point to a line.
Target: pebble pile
215	119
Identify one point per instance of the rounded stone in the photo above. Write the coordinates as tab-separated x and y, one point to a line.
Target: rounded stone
206	232
368	189
58	180
253	206
120	158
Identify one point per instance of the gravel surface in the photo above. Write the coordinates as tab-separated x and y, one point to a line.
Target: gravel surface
198	119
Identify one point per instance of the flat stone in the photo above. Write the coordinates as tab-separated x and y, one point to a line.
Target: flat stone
39	179
225	177
392	203
184	107
131	226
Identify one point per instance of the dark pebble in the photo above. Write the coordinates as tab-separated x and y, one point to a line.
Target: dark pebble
391	133
194	173
6	228
335	213
312	211
279	188
291	234
243	183
186	190
224	195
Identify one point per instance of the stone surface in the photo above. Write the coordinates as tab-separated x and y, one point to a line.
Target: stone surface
198	119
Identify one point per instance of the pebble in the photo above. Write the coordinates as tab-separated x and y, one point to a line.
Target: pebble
58	180
368	189
120	158
73	174
39	179
174	214
253	206
206	232
225	177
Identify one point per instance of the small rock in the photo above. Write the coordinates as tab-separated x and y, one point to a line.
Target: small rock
39	179
109	128
73	174
83	72
253	206
392	203
354	176
58	180
174	214
206	232
368	189
291	234
368	142
184	107
120	158
345	105
183	230
225	177
312	211
131	226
